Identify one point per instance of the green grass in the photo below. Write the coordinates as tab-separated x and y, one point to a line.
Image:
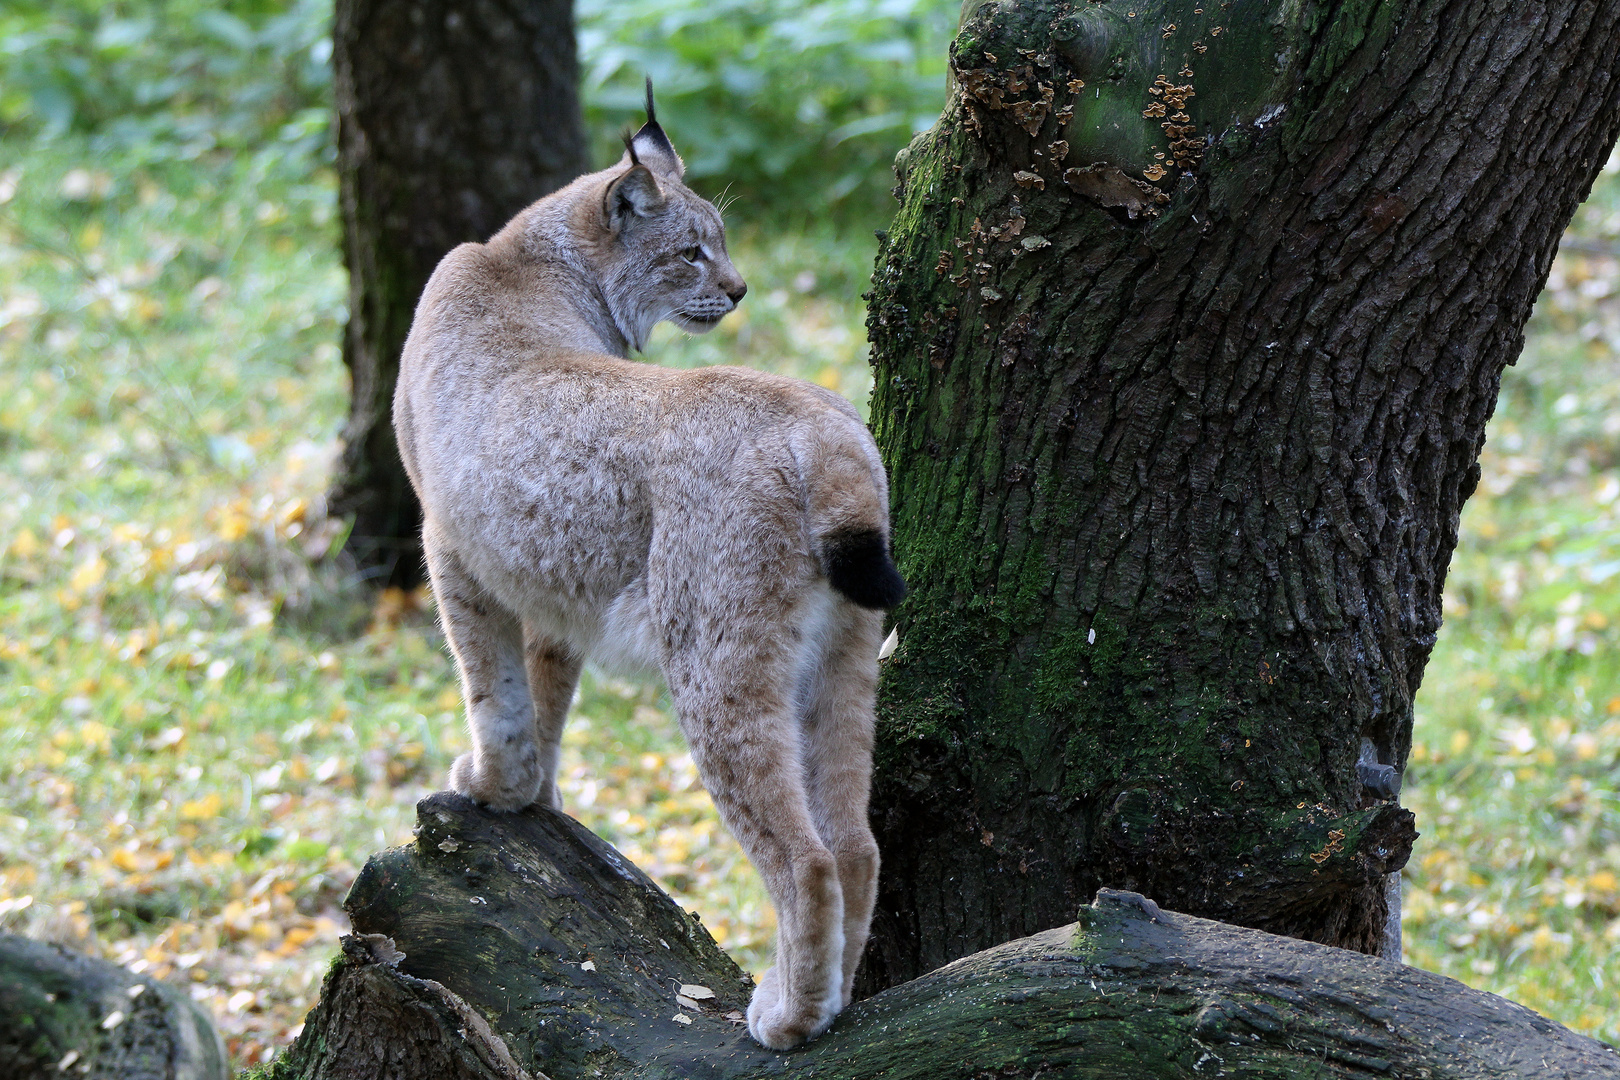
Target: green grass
205	728
1515	884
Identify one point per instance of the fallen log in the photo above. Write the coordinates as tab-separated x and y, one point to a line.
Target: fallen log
513	946
66	1014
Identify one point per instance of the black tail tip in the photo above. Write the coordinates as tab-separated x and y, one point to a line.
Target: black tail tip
859	566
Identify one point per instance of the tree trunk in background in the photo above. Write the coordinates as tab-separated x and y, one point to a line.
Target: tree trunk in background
452	116
1185	337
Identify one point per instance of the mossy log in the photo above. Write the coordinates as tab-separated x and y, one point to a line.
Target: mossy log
518	946
65	1014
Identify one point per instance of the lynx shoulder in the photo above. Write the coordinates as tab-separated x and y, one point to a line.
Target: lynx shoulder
726	527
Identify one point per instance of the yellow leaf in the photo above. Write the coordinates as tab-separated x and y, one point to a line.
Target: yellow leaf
25	545
234	526
125	860
95	735
235	916
88	575
202	809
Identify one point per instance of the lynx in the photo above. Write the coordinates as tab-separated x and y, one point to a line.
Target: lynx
725	527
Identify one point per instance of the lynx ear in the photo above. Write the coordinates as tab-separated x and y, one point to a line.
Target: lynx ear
636	193
652	148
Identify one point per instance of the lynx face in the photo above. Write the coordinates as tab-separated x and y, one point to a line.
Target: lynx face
666	258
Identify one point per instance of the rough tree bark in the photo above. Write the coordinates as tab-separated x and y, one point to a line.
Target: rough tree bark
1185	339
519	946
452	116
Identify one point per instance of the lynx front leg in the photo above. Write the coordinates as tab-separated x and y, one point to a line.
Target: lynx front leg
838	727
504	770
745	741
553	673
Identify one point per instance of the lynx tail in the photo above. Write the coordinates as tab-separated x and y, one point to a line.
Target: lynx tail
859	566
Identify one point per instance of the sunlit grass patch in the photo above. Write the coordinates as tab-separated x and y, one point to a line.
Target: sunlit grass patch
1515	885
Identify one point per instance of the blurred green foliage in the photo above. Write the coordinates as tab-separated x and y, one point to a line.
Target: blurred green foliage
168	79
791	104
795	104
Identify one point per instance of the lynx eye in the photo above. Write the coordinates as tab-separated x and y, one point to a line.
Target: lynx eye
694	254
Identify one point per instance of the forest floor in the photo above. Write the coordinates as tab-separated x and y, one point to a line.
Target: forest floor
206	728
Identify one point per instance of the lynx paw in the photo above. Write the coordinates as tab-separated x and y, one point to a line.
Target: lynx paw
510	786
779	1023
549	797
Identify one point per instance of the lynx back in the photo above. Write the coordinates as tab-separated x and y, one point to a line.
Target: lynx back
726	527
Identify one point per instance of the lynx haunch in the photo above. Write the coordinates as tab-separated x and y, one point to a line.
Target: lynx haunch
726	527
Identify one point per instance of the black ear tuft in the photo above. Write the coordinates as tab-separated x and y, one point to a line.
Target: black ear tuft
650	146
859	566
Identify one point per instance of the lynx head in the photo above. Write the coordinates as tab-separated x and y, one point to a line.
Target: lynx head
665	250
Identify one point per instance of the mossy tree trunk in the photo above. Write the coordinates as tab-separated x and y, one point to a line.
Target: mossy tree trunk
453	115
1185	339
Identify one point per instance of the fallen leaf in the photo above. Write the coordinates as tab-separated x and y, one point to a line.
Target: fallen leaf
890	643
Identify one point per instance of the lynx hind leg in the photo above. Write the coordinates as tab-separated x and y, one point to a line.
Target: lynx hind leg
838	734
503	770
553	672
737	712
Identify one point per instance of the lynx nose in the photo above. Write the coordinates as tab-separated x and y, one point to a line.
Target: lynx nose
738	293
